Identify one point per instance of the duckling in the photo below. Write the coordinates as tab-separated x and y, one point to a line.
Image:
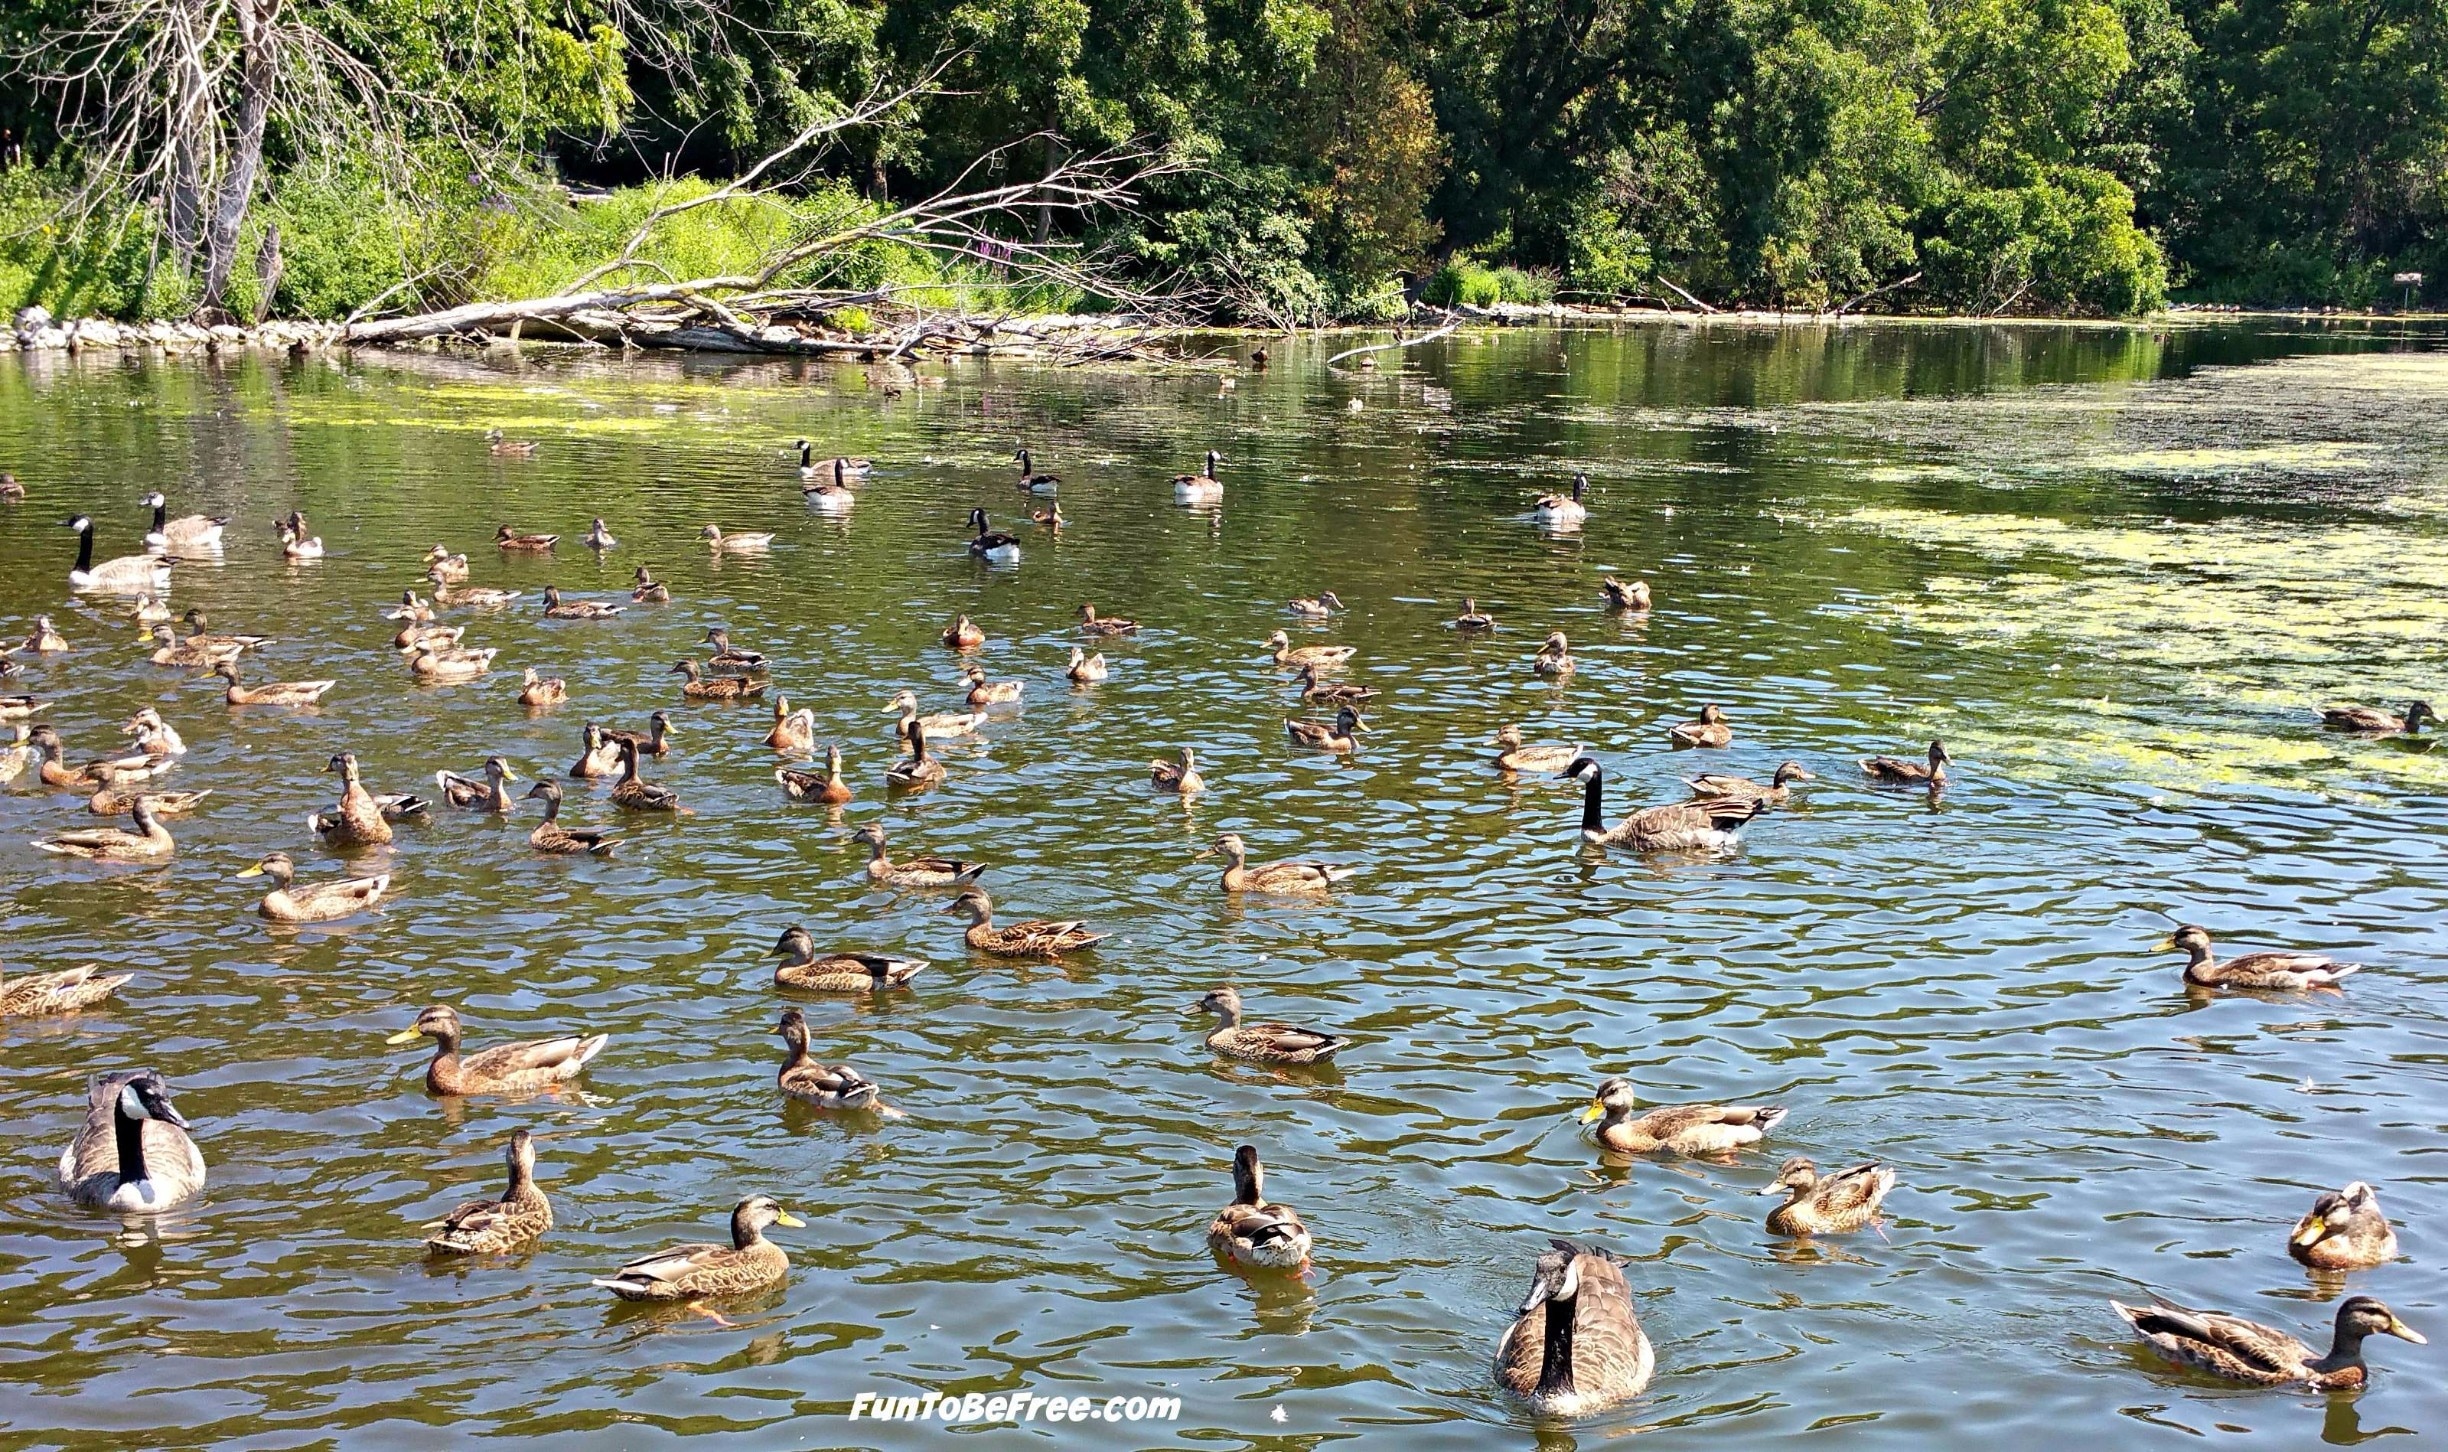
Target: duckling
734	544
508	448
992	544
42	995
1893	771
1092	623
556	608
1711	785
1701	826
962	634
792	731
638	794
1315	607
2344	1231
45	639
809	1082
1034	938
2281	971
598	537
1512	755
833	496
942	724
516	1068
914	871
481	791
1030	479
916	769
1710	730
197	635
512	541
2247	1351
169	650
654	741
134	1154
1818	1204
444	568
1332	693
188	534
1270	1043
319	902
1305	879
1200	488
1684	1129
154	736
1472	620
1557	511
2371	721
1180	776
983	692
1251	1232
852	972
717	688
296	543
539	693
437	665
150	842
1344	735
649	591
497	1227
1575	1346
697	1272
127	575
731	660
1086	669
1622	596
359	820
553	839
1323	657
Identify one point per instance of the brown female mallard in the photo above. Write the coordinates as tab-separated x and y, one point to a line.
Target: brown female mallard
1092	623
1332	693
1895	771
804	1079
842	972
1625	595
654	741
792	731
1554	659
2371	721
316	902
1512	755
1712	786
1303	879
359	820
556	608
1575	1346
169	650
1684	1129
700	687
598	756
150	842
509	448
698	1272
917	769
637	794
1817	1204
913	871
518	1068
556	840
38	995
154	736
649	590
444	568
1701	826
1266	1043
941	726
1344	735
1179	776
1324	657
2344	1231
2278	971
983	692
48	755
963	634
824	786
731	660
724	542
514	542
1251	1232
448	666
497	1227
1320	606
1086	669
2247	1351
1473	620
1710	730
1034	938
538	693
481	792
44	638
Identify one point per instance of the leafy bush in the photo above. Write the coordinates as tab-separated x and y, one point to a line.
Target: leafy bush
110	268
1534	286
1462	283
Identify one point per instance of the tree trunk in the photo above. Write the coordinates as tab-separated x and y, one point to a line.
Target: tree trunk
259	72
1053	163
192	126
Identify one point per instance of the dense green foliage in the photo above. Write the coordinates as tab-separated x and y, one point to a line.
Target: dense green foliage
2077	156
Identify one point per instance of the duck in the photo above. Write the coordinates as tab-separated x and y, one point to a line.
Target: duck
809	1082
654	741
748	1264
317	902
1253	1233
187	534
1701	826
498	1227
151	609
1894	771
735	544
449	666
169	650
553	839
916	769
15	758
599	537
715	688
479	791
512	541
135	1153
1323	657
810	466
359	820
963	634
635	793
275	693
1200	488
11	490
198	635
475	597
44	638
1332	693
1684	1129
1320	606
1179	776
2372	721
1558	511
1817	1204
792	731
1086	669
150	842
2247	1351
841	972
1710	730
1269	1043
597	757
1050	517
731	660
1034	938
539	692
1575	1346
942	724
126	575
2344	1230
992	544
119	801
1092	623
70	990
1513	755
1032	481
913	871
1554	659
154	736
556	608
515	1068
1710	786
1344	735
649	590
444	568
825	786
983	692
2278	971
1472	620
1305	879
1625	595
832	496
48	754
296	543
509	448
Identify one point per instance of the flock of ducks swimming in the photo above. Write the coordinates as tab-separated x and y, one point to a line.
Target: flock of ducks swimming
1576	1345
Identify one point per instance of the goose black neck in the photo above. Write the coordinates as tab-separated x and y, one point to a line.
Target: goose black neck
129	1132
807	454
161	516
1593	810
84	549
1555	1366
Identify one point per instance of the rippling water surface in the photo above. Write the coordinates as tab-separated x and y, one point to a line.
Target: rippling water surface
2114	569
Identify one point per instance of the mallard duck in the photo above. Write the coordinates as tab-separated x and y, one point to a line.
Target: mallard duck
44	638
1251	1232
2277	971
296	543
1684	1129
317	902
637	794
277	693
14	759
47	752
539	693
825	786
734	544
963	634
552	838
359	820
728	659
991	544
649	591
2247	1351
126	575
1322	657
1558	511
1817	1204
134	1154
497	1227
187	534
598	537
846	972
792	731
517	1068
1315	607
154	736
1332	693
810	466
1512	755
1894	771
1710	730
698	1272
11	491
169	650
597	757
943	724
1575	1346
1050	517
475	597
510	540
119	801
2375	722
654	741
1092	623
150	842
1709	786
1554	659
834	495
438	665
916	769
1032	481
1035	938
1200	488
809	1082
1701	826
699	687
1179	776
39	995
2344	1231
556	608
1086	669
1622	595
480	791
1344	735
1271	1043
509	448
983	692
151	609
1472	620
1307	879
198	636
445	568
914	871
416	636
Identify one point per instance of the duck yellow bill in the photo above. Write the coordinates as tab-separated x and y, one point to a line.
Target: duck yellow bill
784	1217
2401	1329
509	775
255	871
2165	945
404	1036
2310	1232
1593	1114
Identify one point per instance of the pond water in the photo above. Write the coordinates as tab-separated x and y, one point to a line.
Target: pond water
2115	569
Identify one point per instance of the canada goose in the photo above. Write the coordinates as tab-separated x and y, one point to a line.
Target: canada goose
1556	511
1252	1232
189	534
2344	1231
835	496
811	467
1200	488
134	1153
1575	1346
2247	1351
991	544
126	575
1030	479
1702	826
